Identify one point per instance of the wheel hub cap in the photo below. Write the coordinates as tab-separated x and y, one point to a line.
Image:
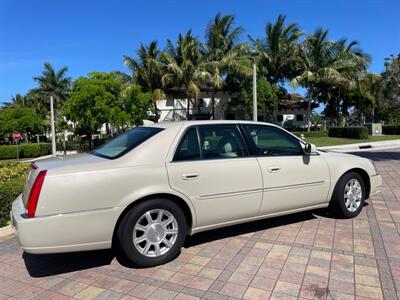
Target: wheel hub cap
155	233
353	195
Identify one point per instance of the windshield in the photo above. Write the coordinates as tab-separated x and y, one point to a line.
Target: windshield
125	142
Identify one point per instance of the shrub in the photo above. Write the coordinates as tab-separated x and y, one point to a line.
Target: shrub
356	132
12	179
391	129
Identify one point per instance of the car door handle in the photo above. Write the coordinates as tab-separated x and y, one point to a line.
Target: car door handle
190	176
273	169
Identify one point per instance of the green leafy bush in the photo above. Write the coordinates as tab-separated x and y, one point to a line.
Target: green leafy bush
356	132
12	179
391	129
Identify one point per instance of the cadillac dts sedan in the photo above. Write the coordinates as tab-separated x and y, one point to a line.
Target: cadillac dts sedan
146	190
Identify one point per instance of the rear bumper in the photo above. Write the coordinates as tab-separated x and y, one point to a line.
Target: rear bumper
376	182
77	231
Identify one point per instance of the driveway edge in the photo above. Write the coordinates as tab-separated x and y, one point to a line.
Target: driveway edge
363	146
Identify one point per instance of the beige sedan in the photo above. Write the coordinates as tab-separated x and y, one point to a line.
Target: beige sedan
146	190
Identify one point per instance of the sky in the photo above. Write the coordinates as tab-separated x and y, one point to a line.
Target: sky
88	35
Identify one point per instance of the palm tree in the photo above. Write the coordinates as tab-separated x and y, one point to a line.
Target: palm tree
224	56
185	67
327	68
278	51
364	94
17	100
147	71
52	83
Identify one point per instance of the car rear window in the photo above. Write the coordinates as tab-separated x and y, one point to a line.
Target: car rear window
125	142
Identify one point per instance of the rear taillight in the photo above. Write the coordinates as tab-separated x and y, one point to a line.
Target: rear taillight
34	194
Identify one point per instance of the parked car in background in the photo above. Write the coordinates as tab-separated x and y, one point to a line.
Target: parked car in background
149	188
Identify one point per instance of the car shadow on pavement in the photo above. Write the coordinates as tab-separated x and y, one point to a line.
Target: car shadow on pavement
379	155
250	227
44	265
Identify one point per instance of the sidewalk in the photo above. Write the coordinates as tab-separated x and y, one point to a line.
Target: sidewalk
363	146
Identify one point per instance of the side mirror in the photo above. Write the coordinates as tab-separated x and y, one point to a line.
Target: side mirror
310	149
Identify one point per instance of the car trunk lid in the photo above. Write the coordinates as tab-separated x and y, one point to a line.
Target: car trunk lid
51	164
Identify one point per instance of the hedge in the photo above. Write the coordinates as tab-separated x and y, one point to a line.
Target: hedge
36	150
391	129
356	132
12	179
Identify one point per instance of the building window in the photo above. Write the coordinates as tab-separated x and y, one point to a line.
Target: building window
279	118
299	118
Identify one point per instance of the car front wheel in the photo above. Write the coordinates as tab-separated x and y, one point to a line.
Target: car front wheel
349	195
152	232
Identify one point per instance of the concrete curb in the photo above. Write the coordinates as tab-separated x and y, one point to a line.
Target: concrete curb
6	232
363	146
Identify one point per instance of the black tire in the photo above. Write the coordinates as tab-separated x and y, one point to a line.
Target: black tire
337	204
125	232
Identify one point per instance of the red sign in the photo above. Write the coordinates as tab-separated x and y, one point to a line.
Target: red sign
16	136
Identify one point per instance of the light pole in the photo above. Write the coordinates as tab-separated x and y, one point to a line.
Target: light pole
254	92
53	129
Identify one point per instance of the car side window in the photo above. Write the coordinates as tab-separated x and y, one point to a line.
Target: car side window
221	141
188	148
272	141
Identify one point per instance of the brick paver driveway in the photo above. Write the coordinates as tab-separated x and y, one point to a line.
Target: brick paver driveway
308	255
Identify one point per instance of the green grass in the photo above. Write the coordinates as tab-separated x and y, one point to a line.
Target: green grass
332	141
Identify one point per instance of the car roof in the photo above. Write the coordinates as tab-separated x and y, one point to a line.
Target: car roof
204	122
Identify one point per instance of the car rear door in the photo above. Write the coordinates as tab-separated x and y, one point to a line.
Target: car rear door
211	166
291	179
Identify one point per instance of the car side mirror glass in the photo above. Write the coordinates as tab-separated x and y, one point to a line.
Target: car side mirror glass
310	149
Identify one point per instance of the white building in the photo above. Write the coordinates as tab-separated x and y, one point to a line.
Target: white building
290	113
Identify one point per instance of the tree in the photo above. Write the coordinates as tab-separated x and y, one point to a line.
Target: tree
327	69
147	71
105	98
267	96
185	67
364	95
21	119
278	51
17	100
224	57
389	100
51	83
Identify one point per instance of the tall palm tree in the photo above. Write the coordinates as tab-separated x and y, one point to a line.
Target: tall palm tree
224	56
52	83
185	67
278	51
147	71
327	68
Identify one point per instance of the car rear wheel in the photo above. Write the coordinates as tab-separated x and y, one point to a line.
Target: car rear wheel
349	195
152	232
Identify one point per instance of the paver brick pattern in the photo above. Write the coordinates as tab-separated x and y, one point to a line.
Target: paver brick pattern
308	255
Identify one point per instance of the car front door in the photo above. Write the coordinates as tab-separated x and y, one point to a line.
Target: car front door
212	167
292	180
